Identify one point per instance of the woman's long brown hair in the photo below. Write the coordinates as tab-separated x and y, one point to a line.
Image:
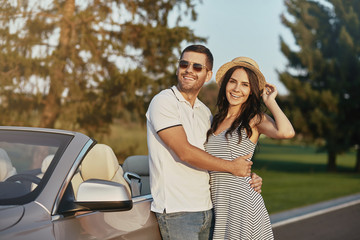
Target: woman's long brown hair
250	109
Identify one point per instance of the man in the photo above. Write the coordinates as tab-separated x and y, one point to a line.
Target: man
177	122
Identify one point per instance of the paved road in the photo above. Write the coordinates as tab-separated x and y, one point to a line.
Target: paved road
331	220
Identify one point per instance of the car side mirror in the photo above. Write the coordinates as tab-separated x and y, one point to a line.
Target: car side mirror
102	195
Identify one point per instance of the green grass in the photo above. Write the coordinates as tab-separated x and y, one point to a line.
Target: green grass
294	175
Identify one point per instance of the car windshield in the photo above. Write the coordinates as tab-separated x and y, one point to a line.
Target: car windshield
25	157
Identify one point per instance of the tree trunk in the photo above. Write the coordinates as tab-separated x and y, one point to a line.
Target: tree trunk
52	102
357	167
331	167
52	107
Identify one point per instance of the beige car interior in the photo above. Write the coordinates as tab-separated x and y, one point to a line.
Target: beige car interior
6	167
99	163
44	166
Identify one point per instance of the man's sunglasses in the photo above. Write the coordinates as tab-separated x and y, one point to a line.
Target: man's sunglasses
196	66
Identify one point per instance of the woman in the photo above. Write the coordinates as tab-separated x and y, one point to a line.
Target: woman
240	212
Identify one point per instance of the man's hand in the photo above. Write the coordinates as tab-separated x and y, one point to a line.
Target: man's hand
241	166
256	182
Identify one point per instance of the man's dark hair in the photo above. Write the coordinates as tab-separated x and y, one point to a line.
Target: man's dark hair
201	49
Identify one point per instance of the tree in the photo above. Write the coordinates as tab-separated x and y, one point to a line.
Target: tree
208	95
323	75
79	64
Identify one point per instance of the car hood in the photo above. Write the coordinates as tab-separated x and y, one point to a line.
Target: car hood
10	215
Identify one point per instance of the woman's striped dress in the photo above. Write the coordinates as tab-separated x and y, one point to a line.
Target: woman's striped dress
240	212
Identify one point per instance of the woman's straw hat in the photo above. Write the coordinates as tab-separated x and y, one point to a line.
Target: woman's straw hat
243	62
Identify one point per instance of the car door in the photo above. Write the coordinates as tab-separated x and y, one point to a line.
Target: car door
101	165
137	223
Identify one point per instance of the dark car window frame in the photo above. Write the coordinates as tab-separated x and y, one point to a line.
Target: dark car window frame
59	140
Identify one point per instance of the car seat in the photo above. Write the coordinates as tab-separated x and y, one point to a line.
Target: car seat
101	163
138	164
44	166
6	167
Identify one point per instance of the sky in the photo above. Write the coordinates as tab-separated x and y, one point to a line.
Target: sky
250	28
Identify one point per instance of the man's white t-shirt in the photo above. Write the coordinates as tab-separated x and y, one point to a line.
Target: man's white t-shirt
175	185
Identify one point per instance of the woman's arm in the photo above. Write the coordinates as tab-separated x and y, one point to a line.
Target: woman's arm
280	127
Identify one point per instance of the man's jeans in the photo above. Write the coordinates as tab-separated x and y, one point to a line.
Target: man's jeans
185	225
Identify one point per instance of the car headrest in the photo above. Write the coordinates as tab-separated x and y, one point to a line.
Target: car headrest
138	164
100	163
46	162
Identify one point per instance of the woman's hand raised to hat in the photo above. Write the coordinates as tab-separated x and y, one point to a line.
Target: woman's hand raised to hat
269	93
